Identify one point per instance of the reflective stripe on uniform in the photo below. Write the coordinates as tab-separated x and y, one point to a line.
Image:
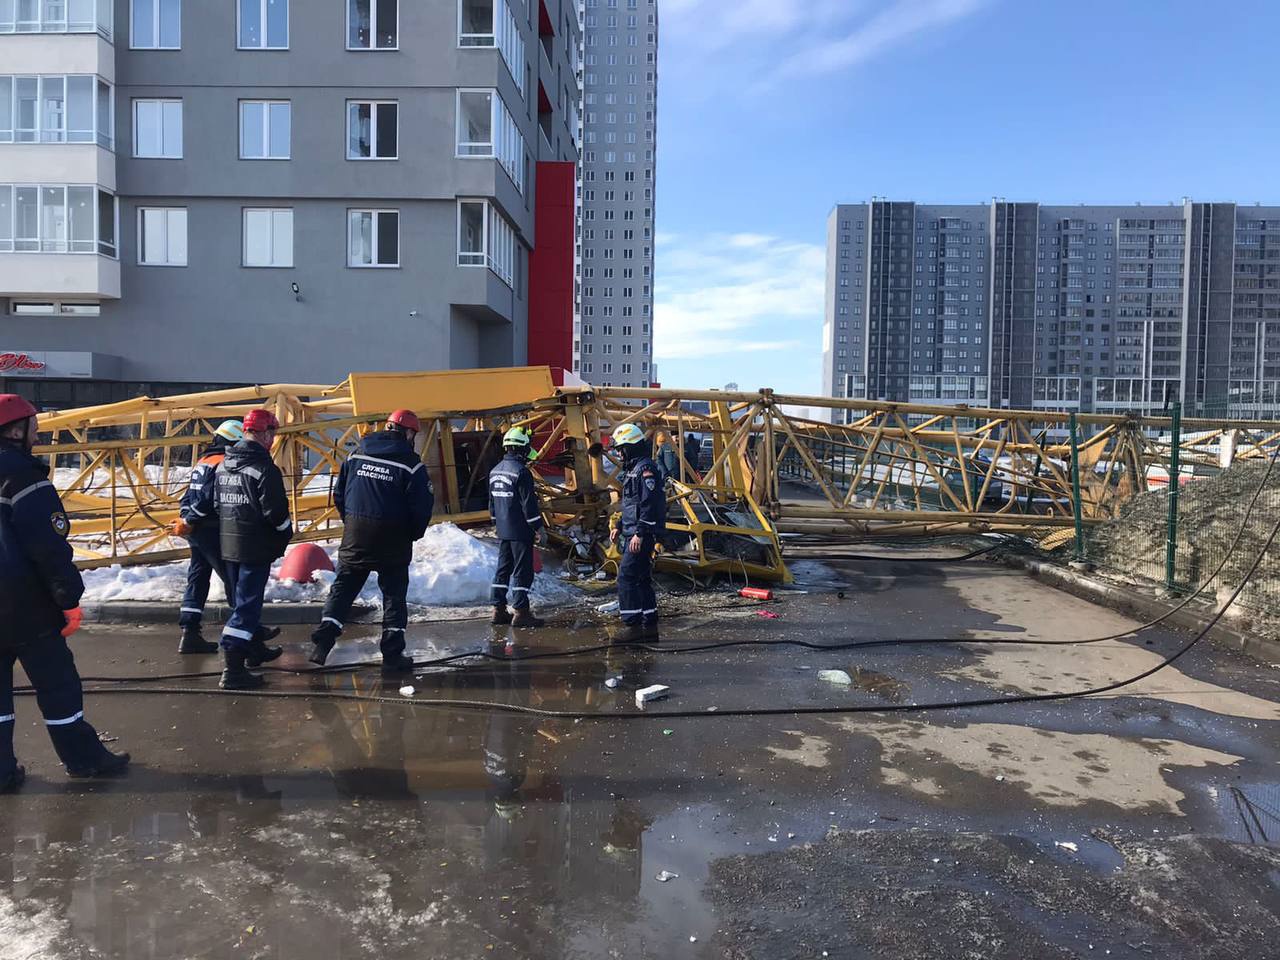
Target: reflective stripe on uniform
62	723
654	610
537	519
238	634
393	629
498	586
519	589
336	623
35	486
627	613
284	526
191	609
252	471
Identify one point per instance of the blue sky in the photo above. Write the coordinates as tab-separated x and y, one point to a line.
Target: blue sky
772	111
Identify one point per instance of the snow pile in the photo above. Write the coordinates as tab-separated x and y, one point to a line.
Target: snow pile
450	568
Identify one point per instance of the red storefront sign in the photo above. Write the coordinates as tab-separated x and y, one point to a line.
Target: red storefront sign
18	362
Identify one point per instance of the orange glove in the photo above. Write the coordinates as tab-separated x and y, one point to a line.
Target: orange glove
180	528
74	619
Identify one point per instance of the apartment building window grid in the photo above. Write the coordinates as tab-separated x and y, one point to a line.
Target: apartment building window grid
262	24
265	129
157	129
373	25
65	108
373	130
60	16
373	238
57	218
154	24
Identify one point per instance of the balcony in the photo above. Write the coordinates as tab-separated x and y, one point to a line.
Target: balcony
57	53
61	162
55	276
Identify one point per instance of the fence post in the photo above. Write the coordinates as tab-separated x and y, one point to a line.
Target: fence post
1171	544
1075	489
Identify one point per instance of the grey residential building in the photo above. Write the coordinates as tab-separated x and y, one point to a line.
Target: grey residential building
1029	306
613	335
252	191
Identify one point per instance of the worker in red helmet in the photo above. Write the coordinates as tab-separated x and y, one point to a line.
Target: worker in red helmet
385	499
40	591
254	528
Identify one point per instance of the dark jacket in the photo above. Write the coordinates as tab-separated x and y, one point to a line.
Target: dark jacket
644	502
693	452
513	504
253	511
201	476
37	577
668	461
385	499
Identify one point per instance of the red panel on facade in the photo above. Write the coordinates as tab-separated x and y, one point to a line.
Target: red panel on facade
551	268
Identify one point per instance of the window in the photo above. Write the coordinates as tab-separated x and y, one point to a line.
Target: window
373	24
157	129
487	129
154	24
490	23
162	236
56	16
264	129
56	219
264	24
27	308
372	132
74	109
373	238
268	238
486	239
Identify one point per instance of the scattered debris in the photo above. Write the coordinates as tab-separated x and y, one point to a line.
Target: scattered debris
105	737
655	692
836	676
549	735
667	733
667	875
613	682
1000	778
1067	845
767	614
610	607
407	691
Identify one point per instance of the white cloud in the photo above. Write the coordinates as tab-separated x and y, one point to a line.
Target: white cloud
901	20
718	295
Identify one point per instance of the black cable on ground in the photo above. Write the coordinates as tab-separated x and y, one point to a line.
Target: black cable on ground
452	704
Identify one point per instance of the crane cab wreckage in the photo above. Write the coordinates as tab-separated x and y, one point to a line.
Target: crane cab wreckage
854	469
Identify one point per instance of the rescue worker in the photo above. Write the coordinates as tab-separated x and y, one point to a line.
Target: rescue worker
693	452
642	521
513	504
201	532
385	499
254	529
40	591
664	454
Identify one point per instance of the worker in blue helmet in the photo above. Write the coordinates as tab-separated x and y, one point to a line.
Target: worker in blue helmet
641	523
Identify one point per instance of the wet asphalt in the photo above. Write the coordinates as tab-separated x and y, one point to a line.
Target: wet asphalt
1138	824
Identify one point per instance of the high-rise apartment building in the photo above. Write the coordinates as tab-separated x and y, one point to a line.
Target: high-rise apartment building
1021	305
613	339
241	191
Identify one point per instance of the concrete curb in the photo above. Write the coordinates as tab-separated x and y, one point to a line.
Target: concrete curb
156	611
1190	619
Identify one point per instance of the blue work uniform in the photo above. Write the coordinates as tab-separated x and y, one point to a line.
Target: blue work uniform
644	514
206	551
517	518
254	528
38	581
385	499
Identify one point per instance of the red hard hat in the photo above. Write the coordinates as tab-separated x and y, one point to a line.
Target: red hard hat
407	419
259	421
13	407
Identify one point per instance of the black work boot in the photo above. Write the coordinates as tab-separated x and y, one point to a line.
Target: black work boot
650	630
235	676
266	634
83	754
193	641
323	639
524	618
257	652
501	615
11	781
394	661
626	632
